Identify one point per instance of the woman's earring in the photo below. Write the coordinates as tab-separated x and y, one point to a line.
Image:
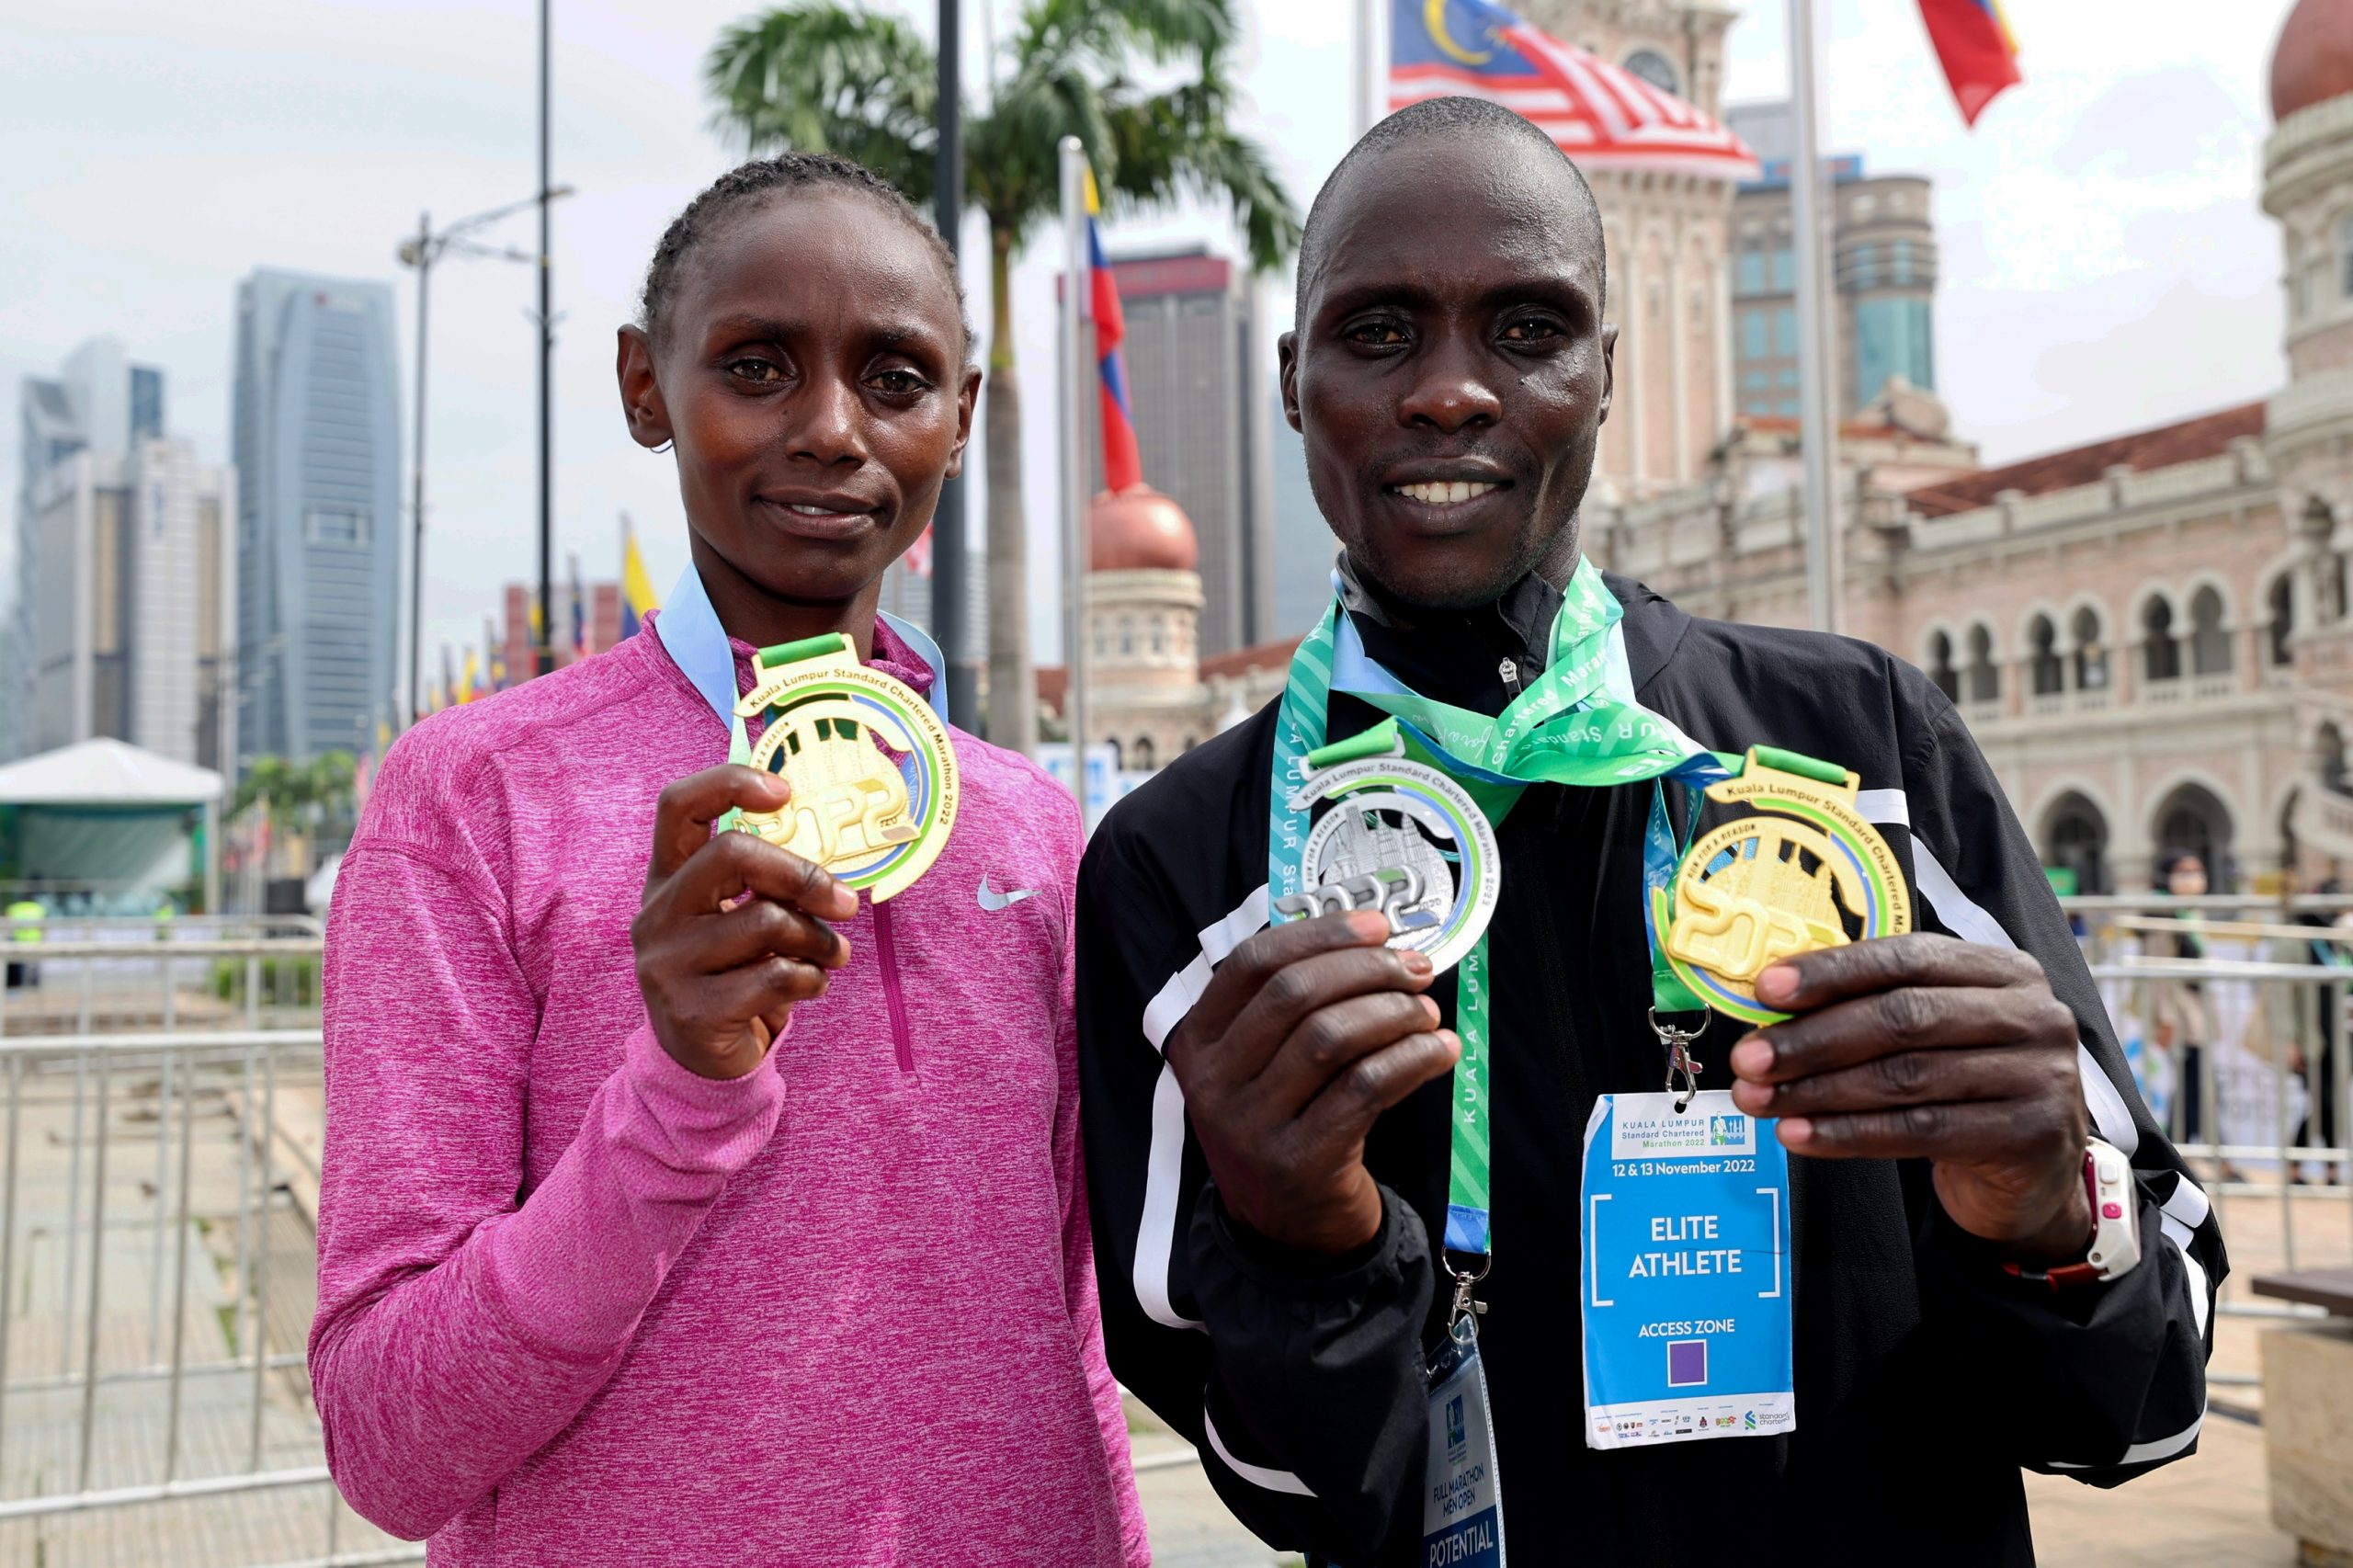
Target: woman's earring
662	447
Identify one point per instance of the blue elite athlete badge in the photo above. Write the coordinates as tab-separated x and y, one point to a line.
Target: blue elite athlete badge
1401	837
873	773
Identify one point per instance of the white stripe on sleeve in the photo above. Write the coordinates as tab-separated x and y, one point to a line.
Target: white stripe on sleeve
1164	1163
2141	1453
1184	988
1258	1475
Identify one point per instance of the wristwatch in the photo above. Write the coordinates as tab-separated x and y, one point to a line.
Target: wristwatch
2115	1247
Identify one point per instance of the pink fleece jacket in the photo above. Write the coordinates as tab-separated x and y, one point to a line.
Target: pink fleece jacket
578	1305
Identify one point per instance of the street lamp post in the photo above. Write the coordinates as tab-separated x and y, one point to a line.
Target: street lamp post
950	561
543	652
421	250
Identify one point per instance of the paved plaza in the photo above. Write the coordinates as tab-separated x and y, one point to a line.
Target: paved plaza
160	1278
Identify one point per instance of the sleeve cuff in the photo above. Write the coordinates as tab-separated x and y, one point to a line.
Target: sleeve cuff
691	1107
1287	1271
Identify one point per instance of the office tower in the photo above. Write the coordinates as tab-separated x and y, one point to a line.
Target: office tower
123	552
319	522
1883	248
1304	545
1198	352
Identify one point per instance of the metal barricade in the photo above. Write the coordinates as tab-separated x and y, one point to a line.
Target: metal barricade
2233	1016
157	1255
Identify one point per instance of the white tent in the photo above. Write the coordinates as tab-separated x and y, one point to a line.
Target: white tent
110	810
106	772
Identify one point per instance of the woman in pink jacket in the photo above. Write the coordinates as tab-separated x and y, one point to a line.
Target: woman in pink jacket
681	1206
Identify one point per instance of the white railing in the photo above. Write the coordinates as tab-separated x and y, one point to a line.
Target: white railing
158	1261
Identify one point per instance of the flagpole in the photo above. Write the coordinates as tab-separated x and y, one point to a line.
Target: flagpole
1076	284
1818	431
1361	50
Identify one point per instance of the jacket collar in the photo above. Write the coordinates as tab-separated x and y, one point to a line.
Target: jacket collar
1447	643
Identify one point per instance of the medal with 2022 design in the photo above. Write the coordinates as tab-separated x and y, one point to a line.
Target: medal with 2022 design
1807	872
873	773
1398	836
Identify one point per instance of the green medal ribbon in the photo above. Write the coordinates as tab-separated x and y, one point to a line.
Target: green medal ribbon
1577	723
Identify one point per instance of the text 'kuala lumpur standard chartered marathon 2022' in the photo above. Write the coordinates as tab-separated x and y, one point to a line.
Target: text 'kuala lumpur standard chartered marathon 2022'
1398	785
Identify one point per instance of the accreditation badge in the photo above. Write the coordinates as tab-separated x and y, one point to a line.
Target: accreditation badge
1401	837
872	770
1807	872
1685	1272
1462	1505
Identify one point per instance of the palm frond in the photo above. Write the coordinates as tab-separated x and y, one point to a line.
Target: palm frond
826	78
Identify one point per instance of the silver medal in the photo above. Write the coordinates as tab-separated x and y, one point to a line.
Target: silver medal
1404	840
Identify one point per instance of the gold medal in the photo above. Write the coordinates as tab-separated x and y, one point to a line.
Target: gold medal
872	770
1813	873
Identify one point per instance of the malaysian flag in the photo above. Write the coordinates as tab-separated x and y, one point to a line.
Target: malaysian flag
1603	117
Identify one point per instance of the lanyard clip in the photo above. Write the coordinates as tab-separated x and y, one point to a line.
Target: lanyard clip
1682	1067
1463	1306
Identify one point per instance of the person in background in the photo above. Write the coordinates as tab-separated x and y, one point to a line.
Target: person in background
678	1205
26	918
2184	1020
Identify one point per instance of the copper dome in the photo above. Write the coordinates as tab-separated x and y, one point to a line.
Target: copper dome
2313	62
1138	530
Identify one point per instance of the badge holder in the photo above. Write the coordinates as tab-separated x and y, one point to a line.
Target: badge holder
1463	1507
875	787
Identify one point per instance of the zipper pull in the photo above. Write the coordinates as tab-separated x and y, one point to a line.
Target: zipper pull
1509	669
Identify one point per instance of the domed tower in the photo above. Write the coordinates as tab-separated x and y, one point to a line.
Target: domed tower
1143	606
2308	188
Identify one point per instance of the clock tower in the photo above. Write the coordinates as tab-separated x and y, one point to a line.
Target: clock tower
1670	284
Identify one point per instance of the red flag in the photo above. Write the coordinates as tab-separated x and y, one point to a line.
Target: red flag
1976	48
1122	464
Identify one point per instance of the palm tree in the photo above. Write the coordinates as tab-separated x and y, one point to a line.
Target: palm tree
830	76
297	797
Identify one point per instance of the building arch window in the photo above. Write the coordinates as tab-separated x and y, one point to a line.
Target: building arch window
1143	756
2160	653
2091	653
1656	69
1118	756
2045	666
2345	255
2192	820
2328	759
1940	667
1190	742
2279	599
1984	682
1127	635
1159	635
2210	639
2075	844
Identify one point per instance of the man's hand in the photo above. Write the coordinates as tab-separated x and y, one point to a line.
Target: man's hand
732	931
1926	1047
1306	1034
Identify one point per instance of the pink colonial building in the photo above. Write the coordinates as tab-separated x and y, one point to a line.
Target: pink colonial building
2151	635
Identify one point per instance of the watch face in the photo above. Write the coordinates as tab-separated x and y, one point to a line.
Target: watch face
1656	69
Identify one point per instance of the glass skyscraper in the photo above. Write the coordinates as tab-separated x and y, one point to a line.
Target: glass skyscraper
319	526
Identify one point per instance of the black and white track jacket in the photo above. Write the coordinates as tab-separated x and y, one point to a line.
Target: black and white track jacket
1926	1376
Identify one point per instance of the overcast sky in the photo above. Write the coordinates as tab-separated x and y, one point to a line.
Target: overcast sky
2106	265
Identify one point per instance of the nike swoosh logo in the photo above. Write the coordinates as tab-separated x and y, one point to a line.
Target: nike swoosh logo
993	899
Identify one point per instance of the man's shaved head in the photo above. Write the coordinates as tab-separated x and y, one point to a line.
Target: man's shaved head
1450	368
1471	117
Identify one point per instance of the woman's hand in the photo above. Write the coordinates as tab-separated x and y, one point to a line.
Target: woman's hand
732	930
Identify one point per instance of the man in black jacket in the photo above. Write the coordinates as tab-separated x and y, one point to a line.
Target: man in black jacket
1266	1110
